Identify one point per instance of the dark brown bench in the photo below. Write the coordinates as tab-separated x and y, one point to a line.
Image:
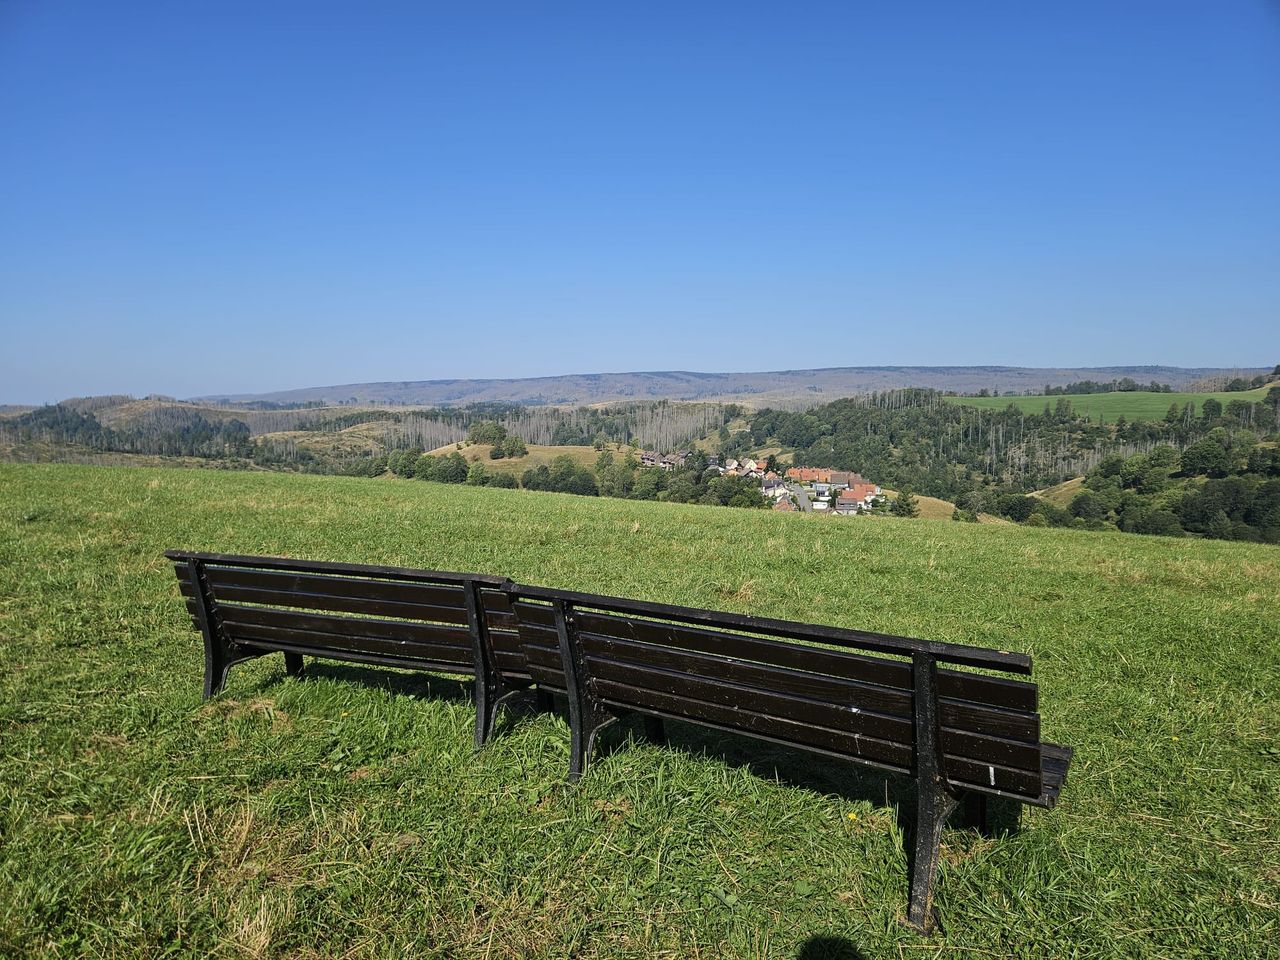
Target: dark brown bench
878	700
453	623
892	703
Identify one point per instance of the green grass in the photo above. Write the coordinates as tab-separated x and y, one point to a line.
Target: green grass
539	455
1136	405
347	815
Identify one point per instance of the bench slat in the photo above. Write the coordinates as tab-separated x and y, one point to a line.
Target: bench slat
840	743
753	701
286	641
1009	724
534	614
974	774
427	594
983	657
330	645
815	686
394	630
996	691
325	566
225	593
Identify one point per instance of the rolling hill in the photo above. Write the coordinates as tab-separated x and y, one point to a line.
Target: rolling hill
781	387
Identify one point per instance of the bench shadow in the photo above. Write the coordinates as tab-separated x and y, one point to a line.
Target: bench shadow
411	683
802	770
829	948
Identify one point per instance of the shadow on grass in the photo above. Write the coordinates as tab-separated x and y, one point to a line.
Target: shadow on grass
411	683
419	684
806	771
829	948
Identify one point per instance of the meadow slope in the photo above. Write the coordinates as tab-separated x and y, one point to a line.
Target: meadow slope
347	815
1110	407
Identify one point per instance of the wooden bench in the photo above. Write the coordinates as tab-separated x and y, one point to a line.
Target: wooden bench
878	700
886	702
454	623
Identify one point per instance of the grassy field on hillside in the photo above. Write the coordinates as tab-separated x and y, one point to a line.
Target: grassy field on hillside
347	815
539	455
1136	405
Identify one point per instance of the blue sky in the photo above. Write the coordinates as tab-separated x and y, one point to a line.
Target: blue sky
203	197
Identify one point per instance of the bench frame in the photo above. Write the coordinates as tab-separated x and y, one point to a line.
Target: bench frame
937	797
491	685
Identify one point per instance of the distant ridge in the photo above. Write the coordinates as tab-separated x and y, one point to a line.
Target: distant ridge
779	387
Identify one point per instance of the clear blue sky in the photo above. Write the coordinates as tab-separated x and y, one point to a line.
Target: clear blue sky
201	197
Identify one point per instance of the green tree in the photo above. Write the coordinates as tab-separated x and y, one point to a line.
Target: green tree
477	475
487	431
1207	456
905	505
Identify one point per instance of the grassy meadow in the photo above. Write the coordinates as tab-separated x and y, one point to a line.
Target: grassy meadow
539	455
346	814
1109	407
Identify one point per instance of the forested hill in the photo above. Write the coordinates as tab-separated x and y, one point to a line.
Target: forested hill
777	388
915	439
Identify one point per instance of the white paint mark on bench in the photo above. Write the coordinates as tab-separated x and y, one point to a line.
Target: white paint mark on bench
992	772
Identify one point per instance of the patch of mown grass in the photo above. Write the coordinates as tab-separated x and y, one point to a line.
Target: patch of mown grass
348	815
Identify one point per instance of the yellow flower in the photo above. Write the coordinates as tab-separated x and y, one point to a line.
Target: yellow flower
852	816
1175	738
347	713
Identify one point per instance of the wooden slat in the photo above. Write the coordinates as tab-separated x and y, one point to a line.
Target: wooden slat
508	662
964	772
992	691
986	749
862	721
398	631
1009	724
507	640
835	690
854	746
328	645
543	656
224	593
995	691
835	663
500	621
289	642
534	614
1055	761
348	569
424	594
1002	660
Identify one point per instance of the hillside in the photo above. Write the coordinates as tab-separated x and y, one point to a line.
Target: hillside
538	455
1109	407
348	815
780	387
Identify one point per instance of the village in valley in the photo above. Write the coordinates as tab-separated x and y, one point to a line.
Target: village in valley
797	490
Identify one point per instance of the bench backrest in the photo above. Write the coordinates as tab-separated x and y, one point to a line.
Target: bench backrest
387	615
845	693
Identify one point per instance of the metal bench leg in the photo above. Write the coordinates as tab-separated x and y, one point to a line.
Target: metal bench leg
217	661
218	654
934	800
977	813
293	665
587	718
932	809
